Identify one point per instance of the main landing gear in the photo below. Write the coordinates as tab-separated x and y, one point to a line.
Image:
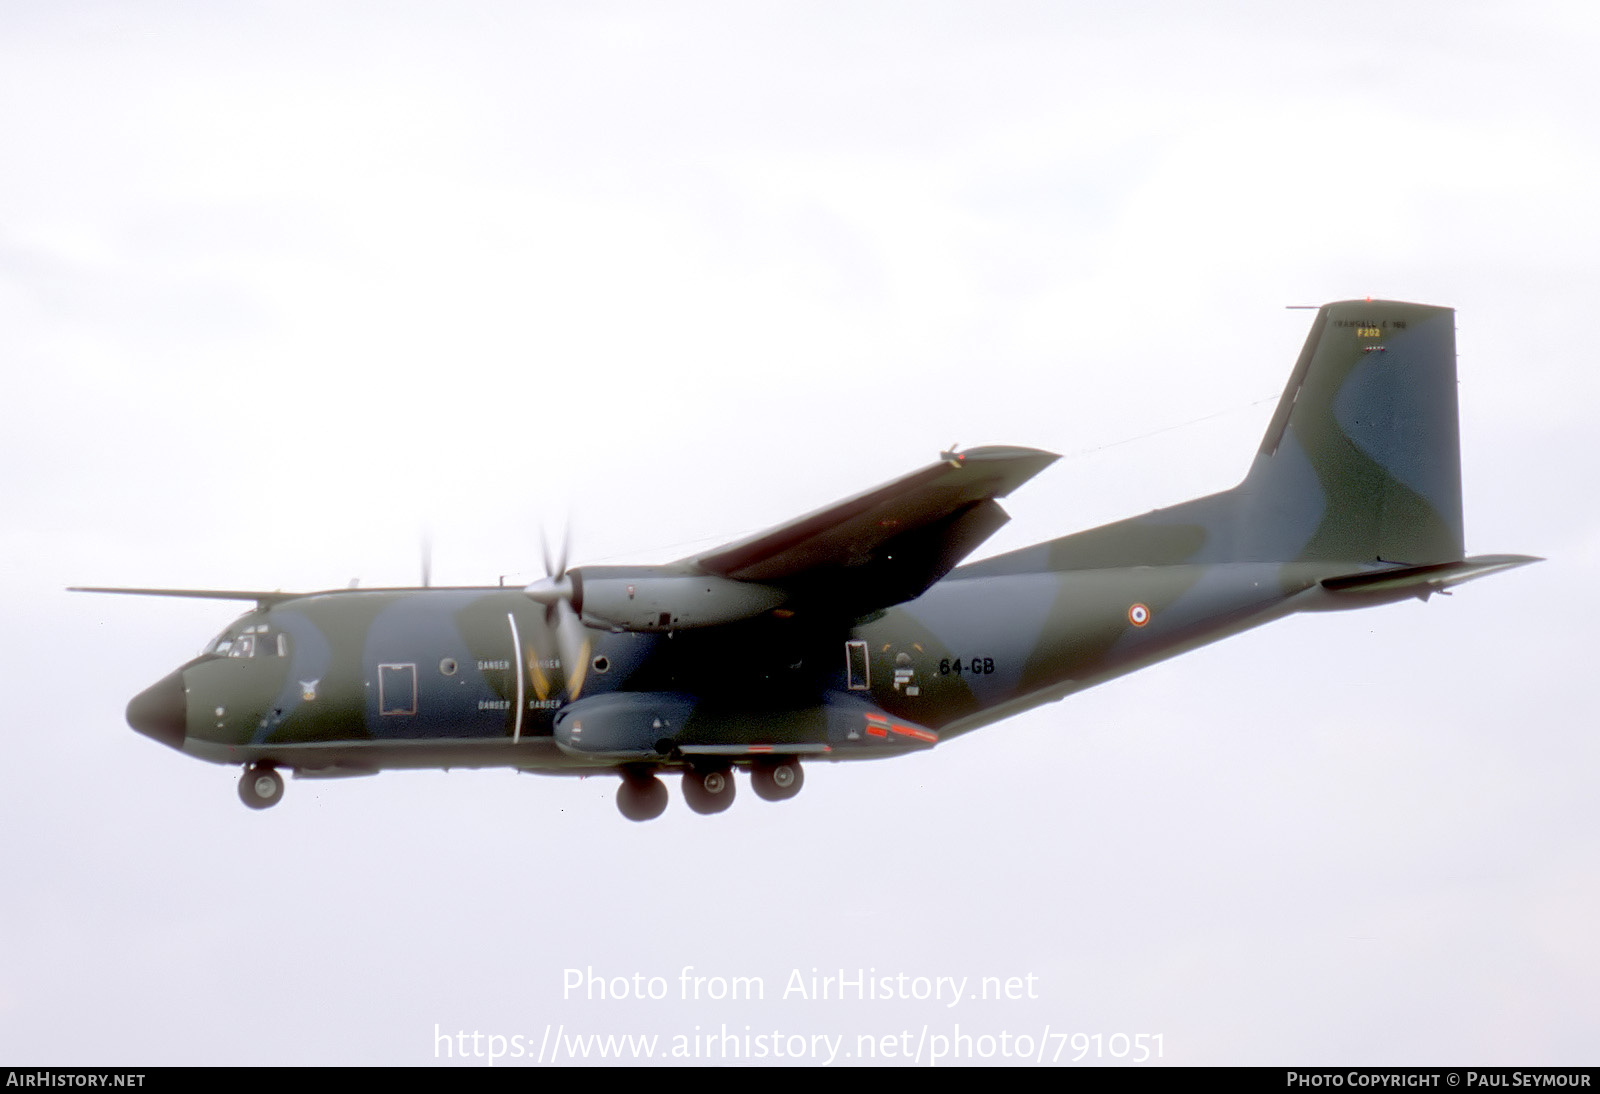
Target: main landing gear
777	780
260	787
642	796
709	791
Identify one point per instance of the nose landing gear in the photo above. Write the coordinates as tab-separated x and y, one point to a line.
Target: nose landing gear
260	787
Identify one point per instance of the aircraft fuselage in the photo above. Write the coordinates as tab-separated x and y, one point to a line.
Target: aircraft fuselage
349	682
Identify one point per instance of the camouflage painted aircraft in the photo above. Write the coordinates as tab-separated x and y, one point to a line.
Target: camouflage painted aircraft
851	633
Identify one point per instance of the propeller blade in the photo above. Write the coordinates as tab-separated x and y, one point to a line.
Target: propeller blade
560	593
572	639
558	568
541	683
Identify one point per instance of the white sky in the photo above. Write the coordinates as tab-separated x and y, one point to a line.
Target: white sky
281	284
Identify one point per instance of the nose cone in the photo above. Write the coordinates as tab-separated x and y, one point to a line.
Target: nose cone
160	711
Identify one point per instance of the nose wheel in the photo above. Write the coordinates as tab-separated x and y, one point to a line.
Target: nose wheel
777	780
260	787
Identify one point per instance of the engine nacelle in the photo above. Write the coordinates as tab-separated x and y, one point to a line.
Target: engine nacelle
643	599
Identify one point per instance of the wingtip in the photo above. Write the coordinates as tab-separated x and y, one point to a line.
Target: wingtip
998	452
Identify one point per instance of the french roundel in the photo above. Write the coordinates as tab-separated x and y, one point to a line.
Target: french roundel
1138	615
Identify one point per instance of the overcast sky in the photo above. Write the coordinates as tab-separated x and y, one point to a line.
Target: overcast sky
283	284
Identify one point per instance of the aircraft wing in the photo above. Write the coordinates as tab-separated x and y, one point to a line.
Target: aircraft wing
261	597
886	545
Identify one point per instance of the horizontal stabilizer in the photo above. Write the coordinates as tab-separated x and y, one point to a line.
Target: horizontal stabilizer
1424	581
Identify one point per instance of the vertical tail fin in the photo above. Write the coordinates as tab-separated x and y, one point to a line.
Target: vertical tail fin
1362	460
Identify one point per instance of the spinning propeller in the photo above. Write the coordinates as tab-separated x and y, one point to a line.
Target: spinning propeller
561	593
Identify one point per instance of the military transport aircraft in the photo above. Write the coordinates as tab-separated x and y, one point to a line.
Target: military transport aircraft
851	633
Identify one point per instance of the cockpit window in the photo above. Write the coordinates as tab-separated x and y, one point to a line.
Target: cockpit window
249	642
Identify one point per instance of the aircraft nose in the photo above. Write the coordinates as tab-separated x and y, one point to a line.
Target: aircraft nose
160	710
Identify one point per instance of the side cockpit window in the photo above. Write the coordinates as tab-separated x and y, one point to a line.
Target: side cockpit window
260	640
